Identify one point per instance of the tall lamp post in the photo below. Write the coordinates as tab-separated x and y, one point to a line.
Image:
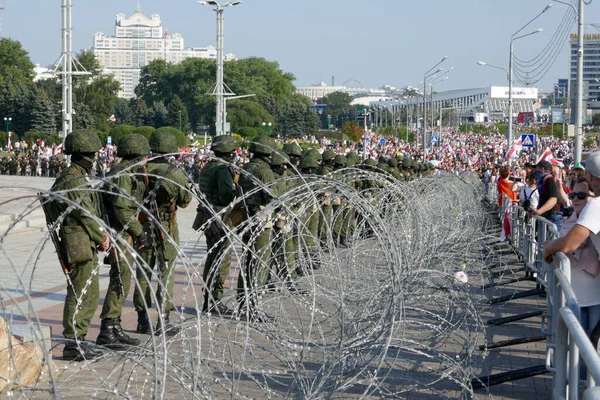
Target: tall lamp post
427	75
267	127
220	87
579	102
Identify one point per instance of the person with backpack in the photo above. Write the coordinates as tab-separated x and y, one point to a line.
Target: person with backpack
529	196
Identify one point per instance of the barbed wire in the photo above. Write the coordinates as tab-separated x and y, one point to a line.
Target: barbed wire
387	313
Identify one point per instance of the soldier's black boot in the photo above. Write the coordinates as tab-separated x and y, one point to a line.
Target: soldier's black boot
107	337
143	324
167	329
122	336
79	350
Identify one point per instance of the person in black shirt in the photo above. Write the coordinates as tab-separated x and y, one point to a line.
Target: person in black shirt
548	206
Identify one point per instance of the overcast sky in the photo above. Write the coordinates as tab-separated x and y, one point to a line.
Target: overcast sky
375	42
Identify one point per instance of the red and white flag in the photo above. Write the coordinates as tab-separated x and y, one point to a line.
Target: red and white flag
57	150
514	150
112	118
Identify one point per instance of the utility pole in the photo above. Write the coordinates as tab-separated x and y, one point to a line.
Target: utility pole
220	89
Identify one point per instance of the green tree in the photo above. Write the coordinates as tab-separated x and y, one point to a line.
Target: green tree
247	113
42	114
157	116
596	119
97	91
16	68
82	117
177	115
146	131
124	114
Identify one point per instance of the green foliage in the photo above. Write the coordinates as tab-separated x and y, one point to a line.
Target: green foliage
353	130
247	113
596	119
177	116
119	131
145	131
237	137
82	117
589	143
31	137
249	133
3	139
16	68
193	78
42	114
182	140
308	145
124	112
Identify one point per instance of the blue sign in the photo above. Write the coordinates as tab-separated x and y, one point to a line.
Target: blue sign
528	140
109	140
434	139
382	141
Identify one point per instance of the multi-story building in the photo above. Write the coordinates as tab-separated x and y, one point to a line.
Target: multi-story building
591	72
561	91
137	41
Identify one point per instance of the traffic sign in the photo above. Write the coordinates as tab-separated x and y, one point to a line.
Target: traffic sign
109	140
382	141
528	140
434	139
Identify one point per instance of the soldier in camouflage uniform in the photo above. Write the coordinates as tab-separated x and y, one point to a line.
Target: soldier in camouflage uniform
283	246
13	166
326	168
309	226
122	187
216	182
80	235
254	272
168	188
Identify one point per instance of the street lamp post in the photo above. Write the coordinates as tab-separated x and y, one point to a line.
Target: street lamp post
328	122
579	102
219	88
180	127
427	75
267	127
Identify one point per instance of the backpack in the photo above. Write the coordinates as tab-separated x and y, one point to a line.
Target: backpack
527	201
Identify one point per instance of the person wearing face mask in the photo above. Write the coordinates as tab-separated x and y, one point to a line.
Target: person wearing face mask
218	181
81	237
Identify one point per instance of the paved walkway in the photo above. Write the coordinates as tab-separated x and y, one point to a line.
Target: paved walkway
32	286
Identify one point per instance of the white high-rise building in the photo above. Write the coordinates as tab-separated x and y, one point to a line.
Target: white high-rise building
137	41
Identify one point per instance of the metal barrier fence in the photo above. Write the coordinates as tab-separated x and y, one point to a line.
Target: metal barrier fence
566	340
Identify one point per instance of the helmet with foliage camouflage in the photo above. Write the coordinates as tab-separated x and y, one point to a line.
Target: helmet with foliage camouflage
407	163
370	161
392	162
133	145
224	144
292	149
328	155
340	160
82	141
352	159
163	142
262	145
310	159
279	158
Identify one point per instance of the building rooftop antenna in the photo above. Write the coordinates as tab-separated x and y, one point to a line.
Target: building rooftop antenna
138	8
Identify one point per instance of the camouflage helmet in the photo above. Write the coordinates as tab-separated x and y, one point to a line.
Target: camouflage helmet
163	142
352	159
224	144
82	141
292	149
328	155
392	162
340	160
279	158
133	145
310	159
262	145
370	161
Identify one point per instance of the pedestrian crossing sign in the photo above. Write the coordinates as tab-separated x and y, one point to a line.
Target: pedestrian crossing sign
528	140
